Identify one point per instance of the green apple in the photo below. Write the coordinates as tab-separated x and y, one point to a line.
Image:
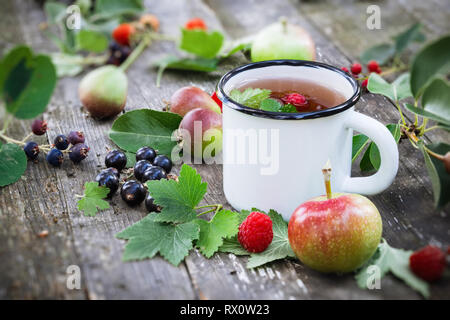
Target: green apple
282	40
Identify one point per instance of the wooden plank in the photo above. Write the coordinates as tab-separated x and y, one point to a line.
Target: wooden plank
406	207
99	253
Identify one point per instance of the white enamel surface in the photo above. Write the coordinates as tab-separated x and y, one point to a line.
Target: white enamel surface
304	147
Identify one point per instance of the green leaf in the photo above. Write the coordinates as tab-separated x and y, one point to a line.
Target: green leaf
236	47
440	179
405	38
92	201
270	105
67	64
178	199
92	41
232	245
250	97
431	61
109	8
381	53
131	159
224	224
145	127
192	64
288	108
55	12
147	237
201	43
279	248
389	259
397	90
365	164
359	142
13	163
27	82
374	152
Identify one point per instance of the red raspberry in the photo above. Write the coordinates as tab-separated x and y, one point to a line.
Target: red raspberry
296	99
195	23
344	69
39	127
428	263
364	83
122	33
255	233
373	66
356	68
217	100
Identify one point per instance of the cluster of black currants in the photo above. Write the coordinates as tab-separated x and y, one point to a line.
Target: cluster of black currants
78	151
117	53
149	166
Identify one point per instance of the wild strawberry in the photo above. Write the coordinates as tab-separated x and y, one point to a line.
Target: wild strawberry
296	99
364	83
123	33
217	100
373	66
344	69
356	68
428	263
196	23
256	233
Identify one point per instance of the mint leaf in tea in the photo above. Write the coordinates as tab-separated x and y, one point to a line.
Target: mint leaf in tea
286	95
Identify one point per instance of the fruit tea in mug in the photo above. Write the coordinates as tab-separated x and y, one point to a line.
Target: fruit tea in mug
282	121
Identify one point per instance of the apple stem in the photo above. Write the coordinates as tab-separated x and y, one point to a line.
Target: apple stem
326	170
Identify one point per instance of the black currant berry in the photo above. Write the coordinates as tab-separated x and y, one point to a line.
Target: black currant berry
55	157
39	127
133	192
78	152
61	142
31	150
112	170
109	180
154	173
146	153
140	167
116	159
150	204
76	137
163	162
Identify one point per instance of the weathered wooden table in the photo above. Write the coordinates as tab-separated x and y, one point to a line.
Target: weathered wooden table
33	267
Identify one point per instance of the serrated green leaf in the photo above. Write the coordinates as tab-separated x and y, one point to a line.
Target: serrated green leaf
405	38
389	259
178	199
223	225
92	200
270	105
91	40
397	90
431	61
201	43
232	245
440	179
27	82
13	163
131	159
279	248
250	97
359	142
381	53
289	108
138	128
147	237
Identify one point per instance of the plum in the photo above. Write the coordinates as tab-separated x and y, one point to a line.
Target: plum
187	98
207	123
282	40
103	91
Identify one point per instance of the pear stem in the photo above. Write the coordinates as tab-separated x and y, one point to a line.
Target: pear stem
326	170
135	54
283	21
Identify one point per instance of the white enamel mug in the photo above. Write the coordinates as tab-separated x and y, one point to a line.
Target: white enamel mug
273	160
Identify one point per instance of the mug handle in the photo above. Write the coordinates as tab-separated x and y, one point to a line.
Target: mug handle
387	146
